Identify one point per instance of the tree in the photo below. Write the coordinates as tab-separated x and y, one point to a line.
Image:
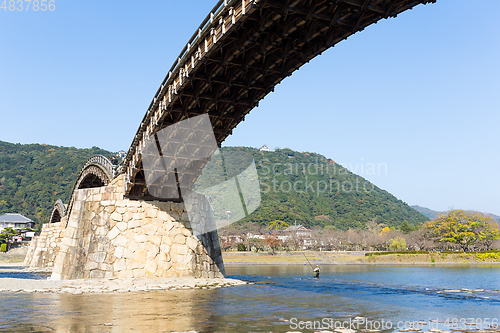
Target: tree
6	237
458	227
398	243
421	239
255	244
489	233
7	234
272	241
385	236
405	227
278	224
385	232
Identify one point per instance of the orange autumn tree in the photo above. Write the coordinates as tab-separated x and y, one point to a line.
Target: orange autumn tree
272	241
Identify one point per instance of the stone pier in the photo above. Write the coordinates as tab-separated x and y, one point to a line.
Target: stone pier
105	235
44	248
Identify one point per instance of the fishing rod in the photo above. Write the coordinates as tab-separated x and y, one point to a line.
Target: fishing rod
307	260
303	253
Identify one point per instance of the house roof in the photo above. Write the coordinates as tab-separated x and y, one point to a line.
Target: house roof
296	228
14	218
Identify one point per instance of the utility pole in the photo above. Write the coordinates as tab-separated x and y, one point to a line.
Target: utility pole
228	212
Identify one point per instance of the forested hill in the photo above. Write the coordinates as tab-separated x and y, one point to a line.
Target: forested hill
332	197
34	176
426	211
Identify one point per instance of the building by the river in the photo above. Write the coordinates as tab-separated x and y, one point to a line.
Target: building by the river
15	221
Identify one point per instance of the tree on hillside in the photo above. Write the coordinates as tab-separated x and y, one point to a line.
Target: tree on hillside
405	227
33	177
458	227
278	224
374	227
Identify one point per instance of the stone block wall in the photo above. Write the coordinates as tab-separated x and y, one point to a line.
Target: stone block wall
43	249
108	235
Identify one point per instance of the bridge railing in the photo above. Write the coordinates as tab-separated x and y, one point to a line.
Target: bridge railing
102	161
202	30
213	27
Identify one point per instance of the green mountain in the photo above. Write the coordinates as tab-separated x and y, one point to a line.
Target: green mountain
426	211
312	190
433	213
306	187
34	176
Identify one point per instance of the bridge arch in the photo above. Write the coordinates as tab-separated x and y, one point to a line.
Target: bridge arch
240	52
58	212
98	171
92	176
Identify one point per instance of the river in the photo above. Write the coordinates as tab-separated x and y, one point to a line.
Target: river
279	299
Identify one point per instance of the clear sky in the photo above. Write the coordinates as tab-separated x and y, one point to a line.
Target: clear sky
418	94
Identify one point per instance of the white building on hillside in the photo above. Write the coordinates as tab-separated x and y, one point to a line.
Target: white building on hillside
15	221
264	148
121	154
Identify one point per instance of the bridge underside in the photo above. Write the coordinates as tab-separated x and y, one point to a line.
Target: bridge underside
239	59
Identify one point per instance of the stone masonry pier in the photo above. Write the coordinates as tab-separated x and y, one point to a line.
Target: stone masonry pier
44	248
108	236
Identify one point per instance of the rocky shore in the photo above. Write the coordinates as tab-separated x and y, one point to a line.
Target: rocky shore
16	279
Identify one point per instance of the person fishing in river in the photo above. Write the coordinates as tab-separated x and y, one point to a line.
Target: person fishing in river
316	271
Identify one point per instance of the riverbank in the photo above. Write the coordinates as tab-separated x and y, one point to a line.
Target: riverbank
351	258
13	256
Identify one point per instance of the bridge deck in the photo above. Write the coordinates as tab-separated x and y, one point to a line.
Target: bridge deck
241	51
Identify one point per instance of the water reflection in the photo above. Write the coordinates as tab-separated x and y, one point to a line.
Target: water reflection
279	293
151	312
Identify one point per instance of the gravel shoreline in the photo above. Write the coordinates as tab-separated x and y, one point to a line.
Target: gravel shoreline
113	285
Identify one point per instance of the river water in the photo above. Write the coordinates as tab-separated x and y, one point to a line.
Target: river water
280	299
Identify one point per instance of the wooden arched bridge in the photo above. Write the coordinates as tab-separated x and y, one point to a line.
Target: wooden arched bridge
240	52
235	58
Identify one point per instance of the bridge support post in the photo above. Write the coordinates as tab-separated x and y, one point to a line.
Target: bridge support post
108	236
43	249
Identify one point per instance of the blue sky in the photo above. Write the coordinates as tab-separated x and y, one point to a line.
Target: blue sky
418	94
